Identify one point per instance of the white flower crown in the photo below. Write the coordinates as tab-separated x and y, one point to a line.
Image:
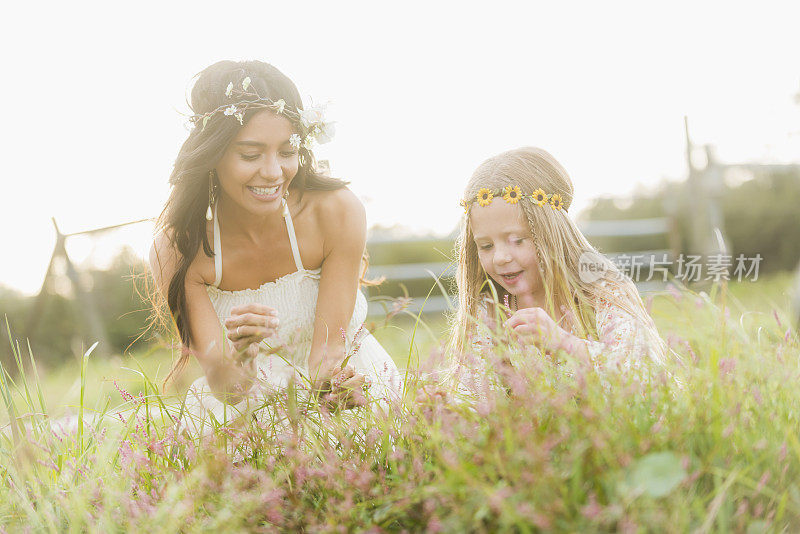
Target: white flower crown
311	119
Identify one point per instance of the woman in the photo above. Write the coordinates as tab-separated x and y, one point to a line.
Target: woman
258	255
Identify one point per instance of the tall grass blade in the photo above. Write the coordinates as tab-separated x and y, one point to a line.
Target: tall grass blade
84	362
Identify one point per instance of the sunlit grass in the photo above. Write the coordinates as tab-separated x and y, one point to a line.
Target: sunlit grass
550	447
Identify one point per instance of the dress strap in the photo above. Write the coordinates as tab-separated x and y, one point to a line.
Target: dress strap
292	237
217	250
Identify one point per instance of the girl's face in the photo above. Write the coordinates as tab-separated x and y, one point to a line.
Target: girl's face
259	164
505	247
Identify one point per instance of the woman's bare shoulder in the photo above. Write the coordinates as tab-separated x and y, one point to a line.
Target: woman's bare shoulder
165	260
334	204
340	219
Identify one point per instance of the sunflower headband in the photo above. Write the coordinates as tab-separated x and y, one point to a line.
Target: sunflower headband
312	119
512	195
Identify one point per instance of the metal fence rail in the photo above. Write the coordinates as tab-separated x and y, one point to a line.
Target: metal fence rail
406	272
627	228
437	303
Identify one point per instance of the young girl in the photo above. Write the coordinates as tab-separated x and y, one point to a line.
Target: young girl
518	245
259	255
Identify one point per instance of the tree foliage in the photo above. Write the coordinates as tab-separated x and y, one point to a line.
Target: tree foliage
61	329
760	217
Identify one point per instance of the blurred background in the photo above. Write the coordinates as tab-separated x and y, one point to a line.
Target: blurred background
679	124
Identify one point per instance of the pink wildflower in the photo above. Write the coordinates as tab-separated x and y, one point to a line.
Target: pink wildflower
499	497
538	520
592	510
758	509
123	393
156	446
728	430
434	525
399	304
125	452
372	437
627	525
726	366
694	356
300	476
777	319
657	426
693	477
741	509
763	481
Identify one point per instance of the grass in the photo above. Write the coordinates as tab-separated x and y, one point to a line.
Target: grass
710	447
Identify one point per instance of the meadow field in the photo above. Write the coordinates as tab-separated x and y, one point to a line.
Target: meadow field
708	444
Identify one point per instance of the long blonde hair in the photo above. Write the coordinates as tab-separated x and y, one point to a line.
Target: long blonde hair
558	241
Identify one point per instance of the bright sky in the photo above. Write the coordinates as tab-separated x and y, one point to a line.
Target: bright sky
422	92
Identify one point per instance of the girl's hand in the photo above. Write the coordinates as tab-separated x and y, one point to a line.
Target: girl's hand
536	326
248	326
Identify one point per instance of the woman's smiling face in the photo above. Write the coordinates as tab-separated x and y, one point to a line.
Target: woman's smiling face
505	247
259	164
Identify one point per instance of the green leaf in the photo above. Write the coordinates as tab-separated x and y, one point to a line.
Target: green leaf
654	475
205	120
246	83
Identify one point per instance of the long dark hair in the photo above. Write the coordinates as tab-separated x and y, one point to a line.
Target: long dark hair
183	218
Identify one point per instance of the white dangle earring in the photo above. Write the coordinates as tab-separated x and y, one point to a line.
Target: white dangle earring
212	195
284	204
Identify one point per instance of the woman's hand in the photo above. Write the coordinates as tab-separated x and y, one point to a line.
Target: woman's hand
248	325
347	389
338	386
534	325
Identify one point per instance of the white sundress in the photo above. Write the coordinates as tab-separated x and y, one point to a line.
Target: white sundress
294	297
